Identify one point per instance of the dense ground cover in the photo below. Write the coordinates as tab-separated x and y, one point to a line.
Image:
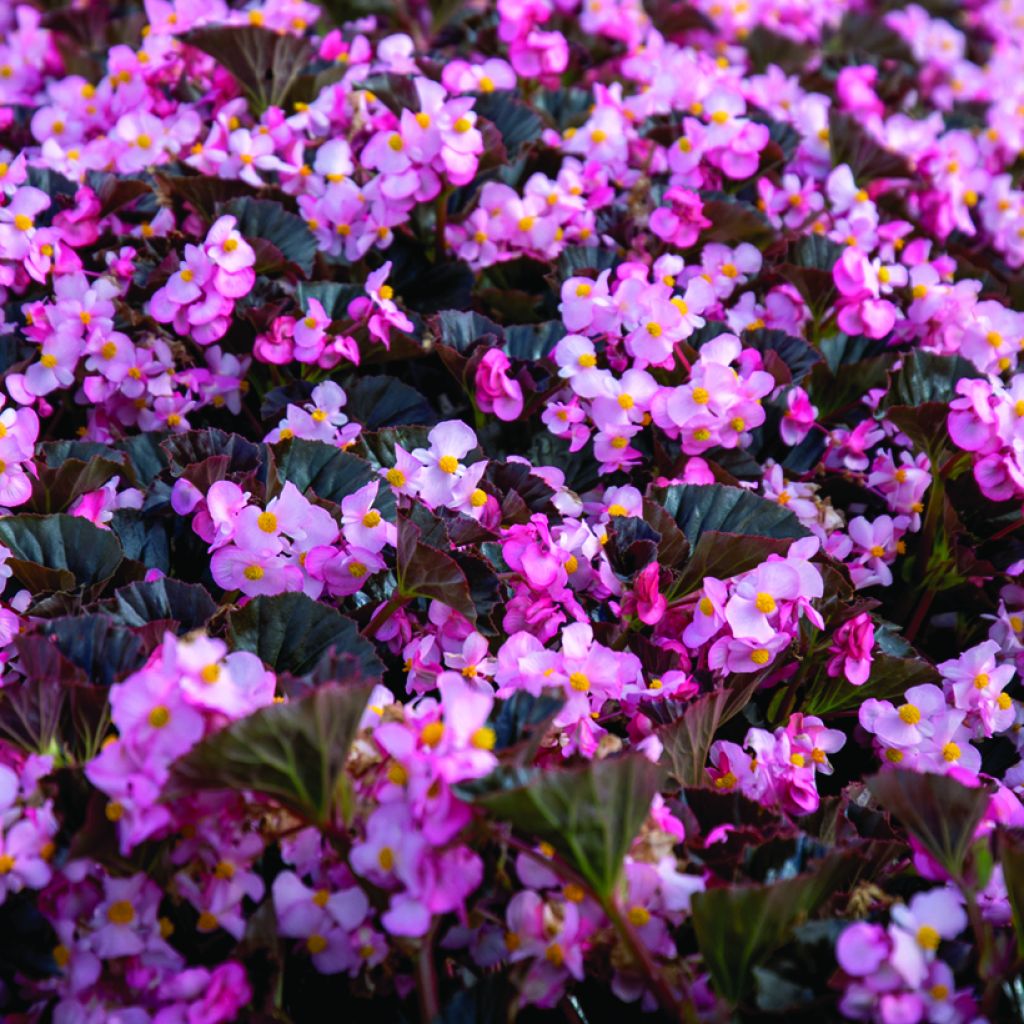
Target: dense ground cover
511	508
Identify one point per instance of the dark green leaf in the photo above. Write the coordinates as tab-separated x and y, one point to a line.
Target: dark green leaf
383	401
723	555
698	509
461	330
938	811
851	144
71	546
517	123
265	64
927	377
196	446
590	815
794	352
734	221
425	571
291	632
890	678
1010	848
332	295
104	649
532	342
57	489
164	599
523	714
203	193
688	739
870	36
766	47
293	752
263	218
738	927
329	472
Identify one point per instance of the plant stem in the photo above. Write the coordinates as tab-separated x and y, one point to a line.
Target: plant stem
426	979
441	210
642	955
395	601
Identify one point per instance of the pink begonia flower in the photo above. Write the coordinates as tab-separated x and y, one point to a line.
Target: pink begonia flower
851	650
450	442
18	222
495	390
798	418
757	598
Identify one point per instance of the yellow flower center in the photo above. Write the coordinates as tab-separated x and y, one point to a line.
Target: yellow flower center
448	464
798	760
638	916
910	714
981	681
120	912
48	360
587	360
478	498
928	937
626	401
316	944
395	477
386	292
431	734
654	329
572	563
729	270
230	244
463	125
554	954
109	350
6	863
701	396
210	673
371	519
224	870
579	681
877	551
483	738
267	522
951	752
760	656
207	922
253	572
764	603
159	716
726	781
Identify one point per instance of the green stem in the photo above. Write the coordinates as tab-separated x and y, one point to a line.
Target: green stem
395	601
642	955
426	979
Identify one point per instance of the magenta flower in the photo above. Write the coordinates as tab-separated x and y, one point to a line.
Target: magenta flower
851	650
495	390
